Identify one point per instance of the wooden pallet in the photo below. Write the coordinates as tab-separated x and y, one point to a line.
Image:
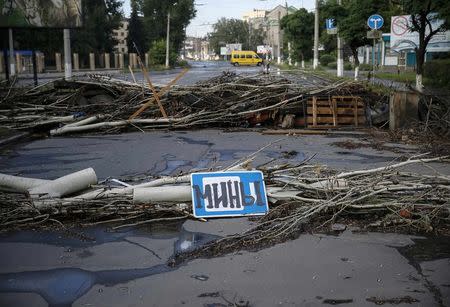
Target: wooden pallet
335	111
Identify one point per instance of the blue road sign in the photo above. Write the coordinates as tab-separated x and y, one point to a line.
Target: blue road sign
375	22
222	194
330	23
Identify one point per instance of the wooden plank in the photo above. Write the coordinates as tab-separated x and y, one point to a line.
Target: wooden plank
334	110
340	120
314	121
339	111
349	104
340	99
295	131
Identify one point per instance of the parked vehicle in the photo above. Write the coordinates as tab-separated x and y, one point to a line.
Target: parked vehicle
245	58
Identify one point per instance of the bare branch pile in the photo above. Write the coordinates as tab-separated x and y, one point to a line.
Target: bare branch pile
308	197
302	197
104	104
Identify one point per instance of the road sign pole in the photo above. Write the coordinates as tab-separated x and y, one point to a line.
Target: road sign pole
67	55
373	62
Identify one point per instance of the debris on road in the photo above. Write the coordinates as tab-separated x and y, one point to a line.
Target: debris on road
103	104
301	197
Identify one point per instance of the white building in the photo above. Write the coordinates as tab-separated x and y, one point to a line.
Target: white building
269	21
121	36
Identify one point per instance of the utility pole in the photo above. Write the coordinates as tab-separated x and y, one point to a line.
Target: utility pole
279	39
316	36
67	55
249	34
289	43
340	60
12	60
167	39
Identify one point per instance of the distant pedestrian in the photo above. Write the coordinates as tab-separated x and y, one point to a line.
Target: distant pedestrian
266	66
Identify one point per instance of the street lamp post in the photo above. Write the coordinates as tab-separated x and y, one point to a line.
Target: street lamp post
12	60
316	36
167	39
340	59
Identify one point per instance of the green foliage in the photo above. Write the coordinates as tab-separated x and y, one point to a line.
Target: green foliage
332	65
326	59
230	31
157	54
183	63
422	13
100	18
436	72
351	19
299	29
365	67
136	35
348	66
155	20
96	35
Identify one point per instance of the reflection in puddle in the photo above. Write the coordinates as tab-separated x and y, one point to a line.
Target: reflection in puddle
61	287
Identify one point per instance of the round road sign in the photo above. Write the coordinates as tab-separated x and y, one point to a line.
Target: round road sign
375	22
400	25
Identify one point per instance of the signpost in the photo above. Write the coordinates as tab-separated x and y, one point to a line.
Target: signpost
375	22
330	25
402	38
223	194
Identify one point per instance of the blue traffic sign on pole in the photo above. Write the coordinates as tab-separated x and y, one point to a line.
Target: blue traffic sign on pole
330	23
375	22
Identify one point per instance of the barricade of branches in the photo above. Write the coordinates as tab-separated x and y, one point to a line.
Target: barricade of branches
302	197
104	104
311	197
432	130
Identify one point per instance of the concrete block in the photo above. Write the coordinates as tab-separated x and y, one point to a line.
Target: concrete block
58	61
91	61
403	109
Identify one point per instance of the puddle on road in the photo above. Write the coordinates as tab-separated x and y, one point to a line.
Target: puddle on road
174	166
62	287
426	250
371	158
195	142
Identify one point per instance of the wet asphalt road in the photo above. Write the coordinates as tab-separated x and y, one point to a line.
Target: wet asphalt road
98	267
199	71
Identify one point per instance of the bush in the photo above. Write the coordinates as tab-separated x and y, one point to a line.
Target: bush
326	59
348	66
332	65
365	67
183	63
158	54
436	72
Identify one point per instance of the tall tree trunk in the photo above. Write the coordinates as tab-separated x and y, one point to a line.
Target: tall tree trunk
355	58
420	51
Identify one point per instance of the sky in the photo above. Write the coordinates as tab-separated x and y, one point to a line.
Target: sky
209	11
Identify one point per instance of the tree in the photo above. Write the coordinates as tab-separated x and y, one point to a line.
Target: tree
136	35
101	18
155	20
299	29
351	19
424	15
158	53
229	31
